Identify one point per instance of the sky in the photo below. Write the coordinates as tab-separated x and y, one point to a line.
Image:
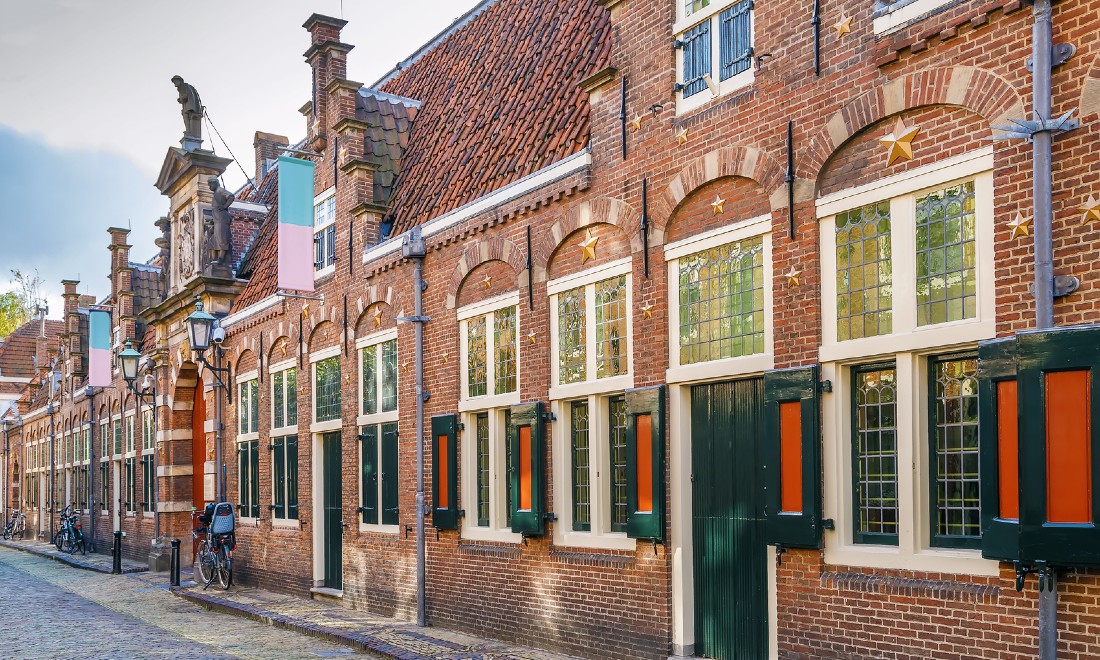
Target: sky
88	110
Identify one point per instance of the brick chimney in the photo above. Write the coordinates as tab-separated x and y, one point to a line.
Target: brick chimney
267	146
70	339
122	291
328	57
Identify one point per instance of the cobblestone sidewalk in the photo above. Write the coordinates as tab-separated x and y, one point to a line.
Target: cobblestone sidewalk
92	561
362	630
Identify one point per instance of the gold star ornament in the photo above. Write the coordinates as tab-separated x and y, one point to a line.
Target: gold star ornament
900	142
378	317
1020	226
843	27
488	281
405	367
647	311
682	137
635	123
793	276
1091	210
588	247
532	337
446	358
718	205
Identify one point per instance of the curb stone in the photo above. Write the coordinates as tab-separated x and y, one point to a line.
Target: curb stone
68	559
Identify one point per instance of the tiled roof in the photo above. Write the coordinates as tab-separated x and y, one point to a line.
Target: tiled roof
390	119
147	284
500	99
17	351
260	264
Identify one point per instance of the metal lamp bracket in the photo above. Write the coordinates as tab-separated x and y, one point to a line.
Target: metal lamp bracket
1059	55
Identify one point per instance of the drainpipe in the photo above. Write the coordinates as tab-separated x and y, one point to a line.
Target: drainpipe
1042	192
218	426
413	248
52	503
93	467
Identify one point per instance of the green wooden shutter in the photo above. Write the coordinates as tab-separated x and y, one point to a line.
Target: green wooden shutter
444	472
997	385
254	446
792	458
368	472
292	477
278	476
390	506
525	435
645	463
242	478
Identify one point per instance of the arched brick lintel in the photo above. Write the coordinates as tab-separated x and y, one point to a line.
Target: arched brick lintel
737	161
978	90
481	252
374	295
598	211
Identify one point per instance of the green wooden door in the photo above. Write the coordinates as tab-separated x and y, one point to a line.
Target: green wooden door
334	515
731	604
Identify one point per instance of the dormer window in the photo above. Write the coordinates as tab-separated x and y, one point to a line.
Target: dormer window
324	233
714	44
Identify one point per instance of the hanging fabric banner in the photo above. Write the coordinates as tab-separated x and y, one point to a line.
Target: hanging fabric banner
295	224
99	348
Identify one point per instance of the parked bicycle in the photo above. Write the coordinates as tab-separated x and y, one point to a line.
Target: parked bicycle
70	537
16	527
217	538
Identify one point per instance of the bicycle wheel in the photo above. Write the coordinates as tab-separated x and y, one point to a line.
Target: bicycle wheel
225	568
19	531
206	564
59	538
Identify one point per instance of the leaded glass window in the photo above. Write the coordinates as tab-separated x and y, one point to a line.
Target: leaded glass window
864	298
692	6
118	436
572	353
504	349
956	474
611	334
368	359
617	441
875	454
482	431
722	302
248	406
946	255
130	433
388	372
327	390
148	429
284	396
477	373
578	434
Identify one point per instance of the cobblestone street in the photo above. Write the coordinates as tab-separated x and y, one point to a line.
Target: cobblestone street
54	611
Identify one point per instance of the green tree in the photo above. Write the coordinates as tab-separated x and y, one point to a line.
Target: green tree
12	313
21	304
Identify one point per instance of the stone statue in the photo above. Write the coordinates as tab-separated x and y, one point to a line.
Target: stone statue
219	243
164	242
185	250
192	113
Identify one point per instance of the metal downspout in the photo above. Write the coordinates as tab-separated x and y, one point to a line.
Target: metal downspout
93	467
1042	192
418	310
52	501
218	426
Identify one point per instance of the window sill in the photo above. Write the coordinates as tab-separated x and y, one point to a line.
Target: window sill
489	534
377	418
931	560
147	514
283	431
326	426
389	530
249	522
902	14
486	402
738	366
324	273
286	523
585	388
595	541
927	337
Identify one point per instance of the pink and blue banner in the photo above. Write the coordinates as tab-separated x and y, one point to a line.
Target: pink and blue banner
99	348
295	224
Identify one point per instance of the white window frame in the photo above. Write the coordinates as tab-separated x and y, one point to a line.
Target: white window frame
152	413
902	190
724	87
588	278
464	315
498	529
105	439
599	484
721	368
902	14
246	410
332	424
374	419
244	437
323	198
909	346
285	365
129	435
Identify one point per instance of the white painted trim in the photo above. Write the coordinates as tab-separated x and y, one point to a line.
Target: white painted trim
380	337
497	530
250	311
466	402
392	530
282	366
737	231
738	367
247	376
599	273
487	401
324	195
896	19
377	418
590	387
919	178
490	305
285	523
324	272
324	427
324	354
529	183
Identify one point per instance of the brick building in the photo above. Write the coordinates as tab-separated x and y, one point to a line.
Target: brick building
701	368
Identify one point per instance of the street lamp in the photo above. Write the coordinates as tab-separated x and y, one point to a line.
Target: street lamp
202	329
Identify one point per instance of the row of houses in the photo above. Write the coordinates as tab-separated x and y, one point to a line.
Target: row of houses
714	334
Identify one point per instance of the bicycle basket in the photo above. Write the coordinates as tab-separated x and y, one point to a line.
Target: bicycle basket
224	519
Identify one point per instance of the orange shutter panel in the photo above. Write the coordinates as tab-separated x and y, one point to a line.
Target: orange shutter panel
444	473
790	456
525	468
644	440
1008	451
1069	458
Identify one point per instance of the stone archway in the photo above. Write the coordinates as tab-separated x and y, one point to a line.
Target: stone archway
183	455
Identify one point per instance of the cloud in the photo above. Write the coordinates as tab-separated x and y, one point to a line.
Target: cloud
56	205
